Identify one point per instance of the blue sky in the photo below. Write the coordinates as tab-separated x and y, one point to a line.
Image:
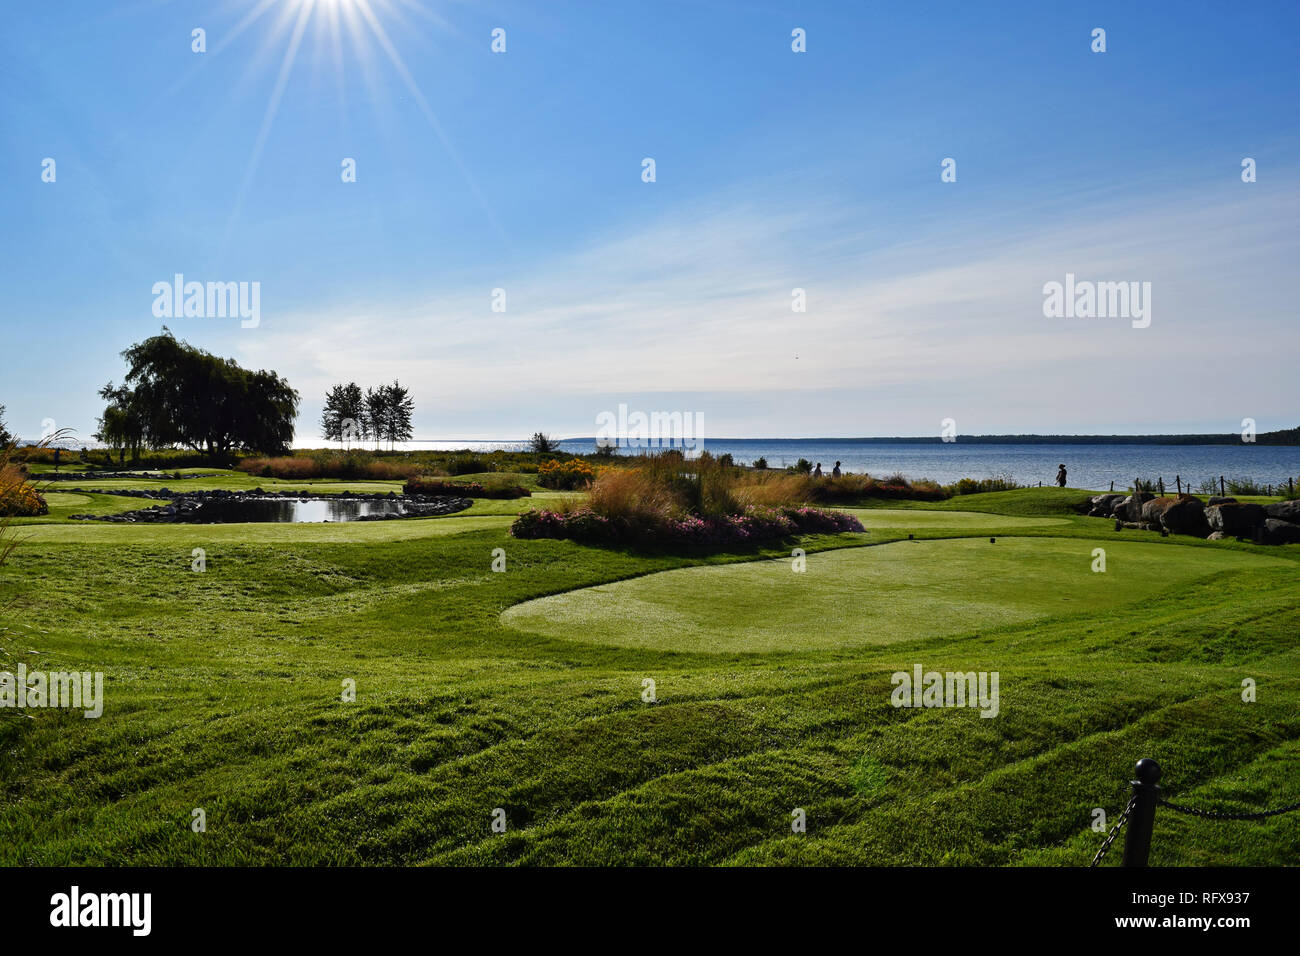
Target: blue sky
775	170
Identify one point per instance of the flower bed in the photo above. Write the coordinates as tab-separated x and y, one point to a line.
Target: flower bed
753	525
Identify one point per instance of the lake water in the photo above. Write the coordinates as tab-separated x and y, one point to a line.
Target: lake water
1088	466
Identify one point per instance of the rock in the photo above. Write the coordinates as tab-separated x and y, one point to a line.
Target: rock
1103	506
1130	509
1186	515
1153	509
1221	500
1284	511
1277	531
1216	536
1235	520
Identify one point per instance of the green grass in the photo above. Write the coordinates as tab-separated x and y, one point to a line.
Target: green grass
223	692
903	591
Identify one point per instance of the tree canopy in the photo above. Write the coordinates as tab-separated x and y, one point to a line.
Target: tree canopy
176	394
379	414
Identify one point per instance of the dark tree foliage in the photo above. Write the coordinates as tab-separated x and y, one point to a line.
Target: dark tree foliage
344	417
385	413
543	444
176	394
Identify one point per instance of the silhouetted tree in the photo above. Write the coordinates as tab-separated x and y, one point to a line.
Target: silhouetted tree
344	416
543	444
176	394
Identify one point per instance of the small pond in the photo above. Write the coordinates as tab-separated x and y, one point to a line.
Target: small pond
291	510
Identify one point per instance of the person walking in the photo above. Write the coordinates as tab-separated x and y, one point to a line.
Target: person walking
818	472
835	472
1060	475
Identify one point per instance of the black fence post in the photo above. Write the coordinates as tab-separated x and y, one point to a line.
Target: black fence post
1221	491
1137	842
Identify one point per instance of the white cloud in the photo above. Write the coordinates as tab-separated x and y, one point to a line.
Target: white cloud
700	304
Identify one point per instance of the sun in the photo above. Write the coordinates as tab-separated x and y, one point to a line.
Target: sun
352	29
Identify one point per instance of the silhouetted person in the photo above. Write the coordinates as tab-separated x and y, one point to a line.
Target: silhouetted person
835	472
818	472
1060	475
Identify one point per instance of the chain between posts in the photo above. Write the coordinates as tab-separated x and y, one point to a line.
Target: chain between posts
1114	832
1141	812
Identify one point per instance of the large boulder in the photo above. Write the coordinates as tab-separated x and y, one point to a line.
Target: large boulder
1153	509
1277	531
1186	515
1284	511
1130	509
1236	520
1221	500
1103	506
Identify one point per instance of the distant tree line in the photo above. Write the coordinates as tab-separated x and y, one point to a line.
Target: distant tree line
380	414
175	394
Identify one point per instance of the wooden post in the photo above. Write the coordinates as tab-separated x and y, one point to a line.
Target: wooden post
1178	480
1112	484
1160	483
1221	491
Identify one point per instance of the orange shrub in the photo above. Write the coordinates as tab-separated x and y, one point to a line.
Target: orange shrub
565	475
18	499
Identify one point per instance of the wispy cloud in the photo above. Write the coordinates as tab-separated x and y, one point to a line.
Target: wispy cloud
700	305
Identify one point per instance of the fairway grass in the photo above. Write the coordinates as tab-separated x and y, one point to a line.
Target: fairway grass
902	591
223	691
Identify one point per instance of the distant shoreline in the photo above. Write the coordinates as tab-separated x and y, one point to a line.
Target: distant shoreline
1289	437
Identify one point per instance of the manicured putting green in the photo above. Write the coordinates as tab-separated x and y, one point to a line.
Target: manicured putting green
869	596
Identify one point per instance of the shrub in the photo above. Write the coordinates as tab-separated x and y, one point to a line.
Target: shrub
18	499
565	476
281	467
632	495
851	487
772	490
666	498
346	465
973	486
427	485
760	463
467	465
752	526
